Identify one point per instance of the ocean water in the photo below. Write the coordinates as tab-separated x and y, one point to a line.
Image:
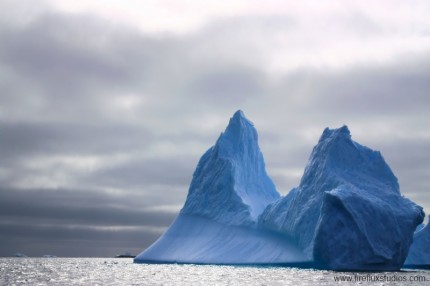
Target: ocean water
122	271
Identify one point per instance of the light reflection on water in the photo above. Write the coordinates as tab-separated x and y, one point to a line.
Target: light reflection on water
122	271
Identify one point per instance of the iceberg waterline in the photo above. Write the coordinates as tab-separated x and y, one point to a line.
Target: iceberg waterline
347	212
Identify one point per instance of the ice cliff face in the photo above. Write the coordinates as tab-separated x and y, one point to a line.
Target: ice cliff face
347	212
419	252
230	184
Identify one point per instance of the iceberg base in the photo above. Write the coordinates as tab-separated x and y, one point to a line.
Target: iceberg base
197	240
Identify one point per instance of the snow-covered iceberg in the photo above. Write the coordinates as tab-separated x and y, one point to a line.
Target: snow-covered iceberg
347	213
419	252
218	223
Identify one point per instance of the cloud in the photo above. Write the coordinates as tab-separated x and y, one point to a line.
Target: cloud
175	171
64	241
228	87
397	88
56	220
23	139
78	208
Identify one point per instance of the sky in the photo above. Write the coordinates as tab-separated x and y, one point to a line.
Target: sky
107	106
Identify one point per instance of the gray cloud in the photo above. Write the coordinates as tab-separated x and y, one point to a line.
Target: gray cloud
228	87
174	171
67	67
50	218
77	208
23	139
36	240
398	89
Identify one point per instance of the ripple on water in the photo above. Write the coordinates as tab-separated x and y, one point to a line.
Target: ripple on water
114	271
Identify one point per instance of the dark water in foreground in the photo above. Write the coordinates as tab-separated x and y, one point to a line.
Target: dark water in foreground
122	271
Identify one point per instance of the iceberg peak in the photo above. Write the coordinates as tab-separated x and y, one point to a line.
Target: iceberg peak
333	134
230	184
240	130
338	159
239	114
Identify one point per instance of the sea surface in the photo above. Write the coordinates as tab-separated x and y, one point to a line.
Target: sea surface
122	271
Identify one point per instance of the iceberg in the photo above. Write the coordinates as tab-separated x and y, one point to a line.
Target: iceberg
49	256
218	223
19	254
347	213
419	252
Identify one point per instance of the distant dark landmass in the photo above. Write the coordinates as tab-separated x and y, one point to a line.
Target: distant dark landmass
125	255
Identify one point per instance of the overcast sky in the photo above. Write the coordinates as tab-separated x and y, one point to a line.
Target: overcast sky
106	106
